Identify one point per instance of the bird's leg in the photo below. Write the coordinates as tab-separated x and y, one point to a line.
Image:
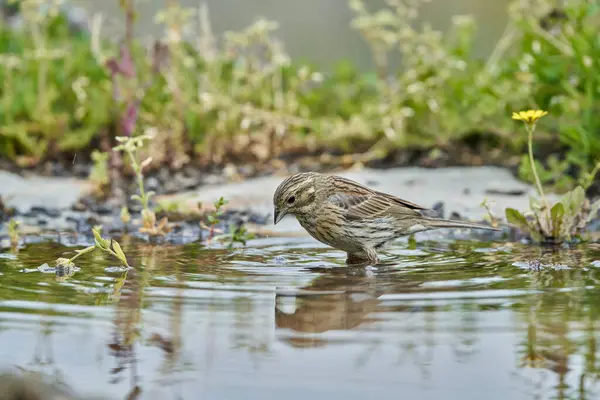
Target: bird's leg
369	256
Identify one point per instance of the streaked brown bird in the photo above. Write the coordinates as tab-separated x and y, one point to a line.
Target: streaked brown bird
351	217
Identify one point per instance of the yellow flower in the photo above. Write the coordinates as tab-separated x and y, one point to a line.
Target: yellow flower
529	116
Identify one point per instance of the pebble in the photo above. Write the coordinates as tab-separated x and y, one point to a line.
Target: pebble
104	209
439	208
50	212
79	206
152	183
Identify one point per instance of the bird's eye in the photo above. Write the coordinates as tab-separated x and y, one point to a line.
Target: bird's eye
291	199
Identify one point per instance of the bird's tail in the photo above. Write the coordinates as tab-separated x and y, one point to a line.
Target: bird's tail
448	223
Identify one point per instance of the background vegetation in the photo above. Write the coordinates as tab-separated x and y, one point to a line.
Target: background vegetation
240	98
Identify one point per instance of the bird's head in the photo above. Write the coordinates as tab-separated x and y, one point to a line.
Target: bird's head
297	194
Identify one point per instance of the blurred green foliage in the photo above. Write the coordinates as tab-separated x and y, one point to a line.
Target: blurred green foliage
556	54
217	98
49	83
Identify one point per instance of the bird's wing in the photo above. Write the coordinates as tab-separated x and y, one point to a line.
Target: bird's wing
372	205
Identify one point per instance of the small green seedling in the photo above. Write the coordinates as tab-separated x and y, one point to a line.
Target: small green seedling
125	215
130	145
239	234
213	217
109	246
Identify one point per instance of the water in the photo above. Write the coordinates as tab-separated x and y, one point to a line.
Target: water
283	318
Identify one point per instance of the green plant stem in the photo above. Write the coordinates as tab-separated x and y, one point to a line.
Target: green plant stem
593	174
140	178
530	129
81	252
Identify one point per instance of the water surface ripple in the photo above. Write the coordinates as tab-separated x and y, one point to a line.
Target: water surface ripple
286	319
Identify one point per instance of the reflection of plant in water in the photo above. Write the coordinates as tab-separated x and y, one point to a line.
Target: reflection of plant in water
419	346
128	323
43	361
171	343
550	316
257	341
467	333
127	332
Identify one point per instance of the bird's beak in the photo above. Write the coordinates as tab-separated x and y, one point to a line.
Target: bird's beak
278	216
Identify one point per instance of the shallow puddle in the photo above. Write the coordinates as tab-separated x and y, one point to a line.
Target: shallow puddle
284	318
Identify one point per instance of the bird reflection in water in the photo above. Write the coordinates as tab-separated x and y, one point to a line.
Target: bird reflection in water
340	299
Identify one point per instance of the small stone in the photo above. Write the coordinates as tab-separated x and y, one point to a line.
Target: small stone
152	183
104	209
163	175
50	212
79	206
456	216
92	221
170	186
247	170
439	207
192	172
213	179
134	207
81	170
259	219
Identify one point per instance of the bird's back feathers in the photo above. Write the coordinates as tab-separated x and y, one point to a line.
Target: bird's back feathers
361	202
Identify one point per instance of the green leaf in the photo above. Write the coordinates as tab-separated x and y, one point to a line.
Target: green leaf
117	248
534	204
577	199
101	243
594	210
516	218
557	213
573	202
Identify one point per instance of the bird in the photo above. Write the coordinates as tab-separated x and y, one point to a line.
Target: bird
351	217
